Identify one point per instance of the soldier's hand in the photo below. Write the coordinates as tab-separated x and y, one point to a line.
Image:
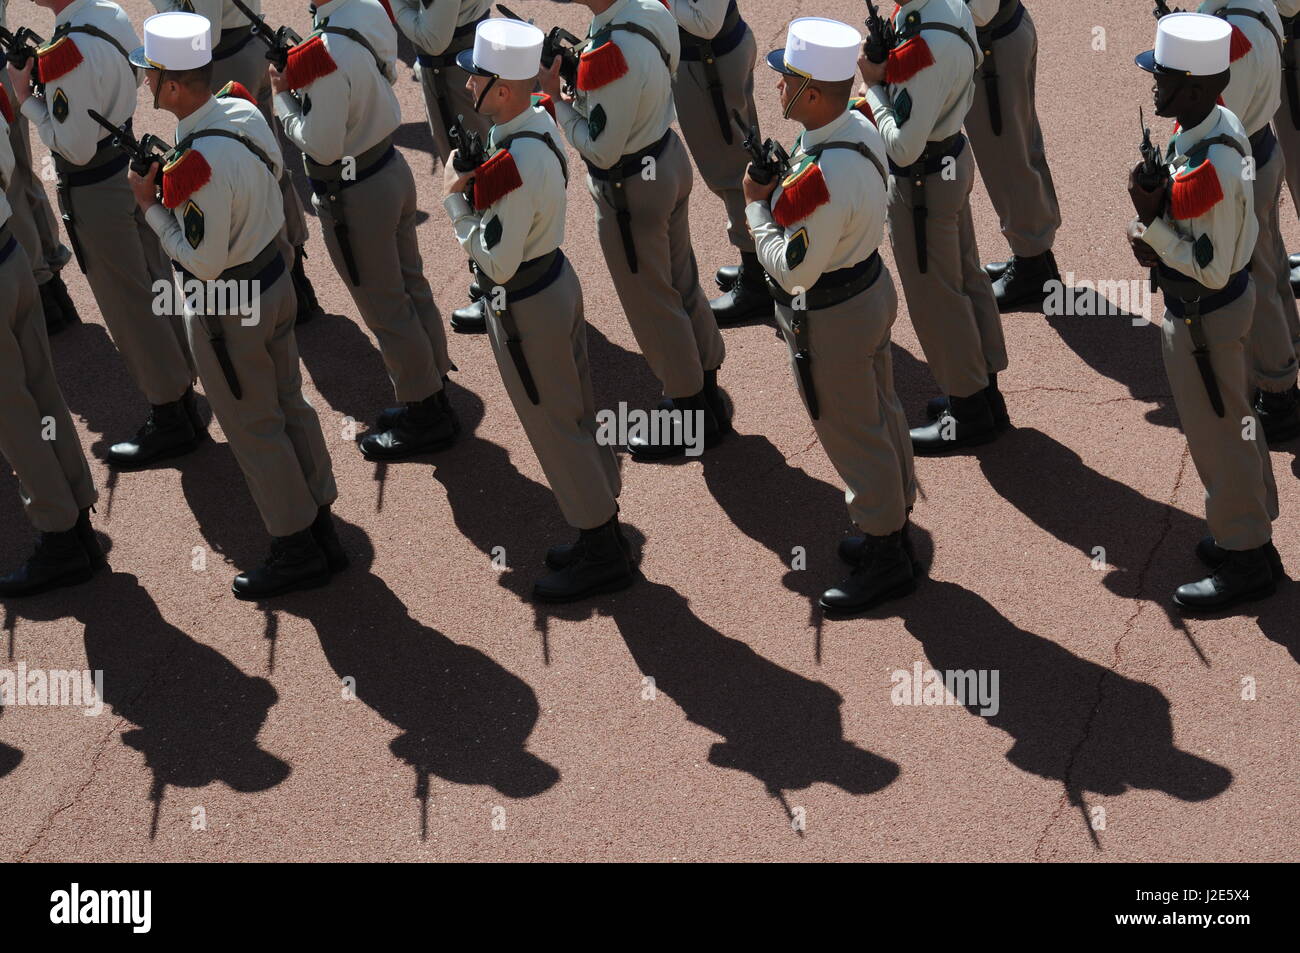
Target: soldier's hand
1146	202
278	84
755	192
549	80
873	74
453	181
1145	255
21	80
144	187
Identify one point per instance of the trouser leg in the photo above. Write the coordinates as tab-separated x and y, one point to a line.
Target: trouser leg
1275	325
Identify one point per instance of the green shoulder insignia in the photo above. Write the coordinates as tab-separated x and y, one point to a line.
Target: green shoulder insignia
1203	249
492	232
596	121
193	219
59	105
903	106
796	248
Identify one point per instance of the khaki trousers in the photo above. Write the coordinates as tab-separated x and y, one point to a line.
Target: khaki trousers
37	435
663	301
562	426
1275	329
861	424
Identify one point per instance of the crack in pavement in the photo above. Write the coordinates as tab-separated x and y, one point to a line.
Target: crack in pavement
1070	797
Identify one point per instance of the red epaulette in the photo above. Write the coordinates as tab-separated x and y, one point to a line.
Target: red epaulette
907	60
308	62
601	66
6	107
184	176
544	100
1240	45
803	193
861	105
1195	193
58	59
495	179
238	90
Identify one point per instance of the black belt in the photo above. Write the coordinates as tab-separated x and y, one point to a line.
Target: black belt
833	287
7	243
706	52
98	174
232	41
1262	145
1180	290
630	164
265	267
930	162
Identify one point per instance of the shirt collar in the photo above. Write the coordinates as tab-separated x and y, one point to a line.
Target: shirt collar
812	138
195	119
507	129
71	10
1185	139
602	20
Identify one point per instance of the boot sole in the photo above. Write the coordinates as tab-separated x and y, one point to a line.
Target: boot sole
758	314
171	454
846	612
59	582
956	445
615	585
1002	423
1253	596
652	457
311	582
468	328
391	458
1286	436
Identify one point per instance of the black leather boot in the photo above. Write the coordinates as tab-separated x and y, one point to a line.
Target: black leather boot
1279	414
997	403
967	422
716	400
168	432
426	426
562	555
89	541
1242	576
191	402
295	562
726	276
59	560
471	319
994	269
1294	262
672	432
1020	286
327	538
883	572
55	318
747	299
599	562
1213	555
851	548
308	306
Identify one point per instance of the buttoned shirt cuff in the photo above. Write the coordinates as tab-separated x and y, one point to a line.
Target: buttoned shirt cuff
758	214
1161	238
35	110
877	97
286	104
457	207
158	218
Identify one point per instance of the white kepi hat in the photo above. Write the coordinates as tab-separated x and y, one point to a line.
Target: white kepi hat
175	41
504	49
819	49
1194	44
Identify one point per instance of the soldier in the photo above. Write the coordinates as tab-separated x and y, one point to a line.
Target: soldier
335	99
1201	238
640	179
85	67
239	58
714	79
1287	119
1008	143
817	239
37	436
32	220
511	223
221	220
920	97
1253	95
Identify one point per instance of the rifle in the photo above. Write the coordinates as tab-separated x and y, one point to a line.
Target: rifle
880	35
1162	10
470	152
559	42
278	42
1153	174
768	159
148	150
19	47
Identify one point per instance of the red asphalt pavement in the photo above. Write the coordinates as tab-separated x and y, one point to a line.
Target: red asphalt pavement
707	712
